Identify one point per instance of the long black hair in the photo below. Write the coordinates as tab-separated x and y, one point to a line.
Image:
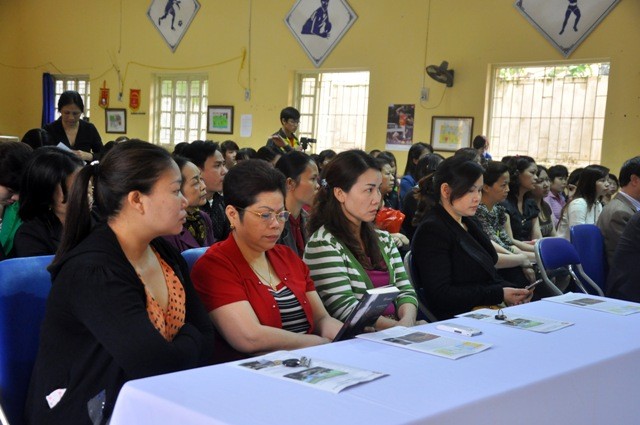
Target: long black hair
343	172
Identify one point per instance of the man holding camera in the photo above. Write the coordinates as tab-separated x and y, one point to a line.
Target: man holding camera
285	139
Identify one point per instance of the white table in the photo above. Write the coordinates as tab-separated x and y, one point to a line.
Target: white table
584	374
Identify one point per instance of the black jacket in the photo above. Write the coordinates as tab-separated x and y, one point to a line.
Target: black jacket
455	268
88	139
96	334
40	236
624	277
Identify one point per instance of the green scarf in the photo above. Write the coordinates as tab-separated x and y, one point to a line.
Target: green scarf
10	223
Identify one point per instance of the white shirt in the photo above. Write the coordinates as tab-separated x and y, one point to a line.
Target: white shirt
578	213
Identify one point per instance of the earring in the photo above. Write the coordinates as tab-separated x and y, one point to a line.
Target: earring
232	227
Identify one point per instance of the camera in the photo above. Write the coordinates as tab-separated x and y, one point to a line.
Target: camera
306	141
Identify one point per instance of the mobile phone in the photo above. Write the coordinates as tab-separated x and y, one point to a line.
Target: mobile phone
534	284
459	329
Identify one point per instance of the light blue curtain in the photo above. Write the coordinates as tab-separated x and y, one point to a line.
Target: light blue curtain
48	99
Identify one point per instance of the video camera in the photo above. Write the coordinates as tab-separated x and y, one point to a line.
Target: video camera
305	141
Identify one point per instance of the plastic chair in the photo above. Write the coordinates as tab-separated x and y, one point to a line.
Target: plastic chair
192	255
588	241
422	308
555	253
24	286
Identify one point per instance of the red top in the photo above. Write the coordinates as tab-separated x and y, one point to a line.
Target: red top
222	276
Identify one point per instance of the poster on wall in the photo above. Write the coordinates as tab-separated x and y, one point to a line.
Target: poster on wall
172	18
400	127
565	23
319	25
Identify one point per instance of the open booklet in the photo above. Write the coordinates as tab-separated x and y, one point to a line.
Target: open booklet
424	342
369	308
535	324
593	302
315	373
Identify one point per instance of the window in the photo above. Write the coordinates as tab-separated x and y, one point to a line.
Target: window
180	109
553	113
79	83
333	109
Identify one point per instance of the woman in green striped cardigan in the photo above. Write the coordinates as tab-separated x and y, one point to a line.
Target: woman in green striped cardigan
346	254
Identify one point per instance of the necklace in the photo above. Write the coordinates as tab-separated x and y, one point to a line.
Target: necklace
264	281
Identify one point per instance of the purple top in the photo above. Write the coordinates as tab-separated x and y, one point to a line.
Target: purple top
381	278
556	203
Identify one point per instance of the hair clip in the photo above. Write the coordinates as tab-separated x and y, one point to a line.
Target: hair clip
324	183
96	162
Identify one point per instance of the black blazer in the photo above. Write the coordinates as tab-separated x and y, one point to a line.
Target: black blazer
624	277
455	268
88	139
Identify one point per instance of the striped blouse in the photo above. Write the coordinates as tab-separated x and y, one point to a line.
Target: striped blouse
340	279
291	312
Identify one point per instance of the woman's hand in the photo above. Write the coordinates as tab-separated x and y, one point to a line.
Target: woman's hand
85	156
516	296
399	239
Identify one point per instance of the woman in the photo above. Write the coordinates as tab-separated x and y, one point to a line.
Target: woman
268	154
387	187
614	186
426	166
197	230
409	180
558	175
520	206
585	206
259	294
302	184
454	259
539	194
513	264
345	253
77	134
107	319
46	183
13	157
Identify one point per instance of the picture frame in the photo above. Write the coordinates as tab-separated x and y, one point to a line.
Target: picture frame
451	133
220	119
115	121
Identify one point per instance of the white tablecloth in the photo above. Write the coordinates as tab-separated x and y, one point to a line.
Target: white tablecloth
584	374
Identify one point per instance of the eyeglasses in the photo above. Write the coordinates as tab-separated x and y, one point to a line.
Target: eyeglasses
268	217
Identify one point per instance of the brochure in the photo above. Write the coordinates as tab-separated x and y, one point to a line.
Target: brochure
424	342
535	324
369	308
313	373
592	302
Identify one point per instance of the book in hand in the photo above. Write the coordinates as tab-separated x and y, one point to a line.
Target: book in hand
370	307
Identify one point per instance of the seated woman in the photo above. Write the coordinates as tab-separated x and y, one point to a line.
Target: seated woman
259	294
197	230
585	207
454	259
46	183
114	284
345	253
417	151
513	264
301	173
539	194
13	157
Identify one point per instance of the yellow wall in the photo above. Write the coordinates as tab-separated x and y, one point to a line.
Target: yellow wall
388	39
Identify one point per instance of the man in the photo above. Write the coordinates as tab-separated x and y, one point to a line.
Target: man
623	280
617	213
285	139
229	150
558	175
207	156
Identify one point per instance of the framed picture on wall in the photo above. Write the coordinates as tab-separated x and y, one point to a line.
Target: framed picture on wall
220	119
451	133
115	121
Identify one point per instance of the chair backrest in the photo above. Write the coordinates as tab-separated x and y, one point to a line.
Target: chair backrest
192	255
555	253
422	307
588	241
24	286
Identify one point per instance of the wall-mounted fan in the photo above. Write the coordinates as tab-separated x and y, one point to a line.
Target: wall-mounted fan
441	73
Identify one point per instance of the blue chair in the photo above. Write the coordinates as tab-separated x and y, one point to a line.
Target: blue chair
192	255
556	253
589	242
24	286
423	311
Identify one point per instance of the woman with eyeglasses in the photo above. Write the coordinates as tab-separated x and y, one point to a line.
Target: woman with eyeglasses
345	253
258	293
